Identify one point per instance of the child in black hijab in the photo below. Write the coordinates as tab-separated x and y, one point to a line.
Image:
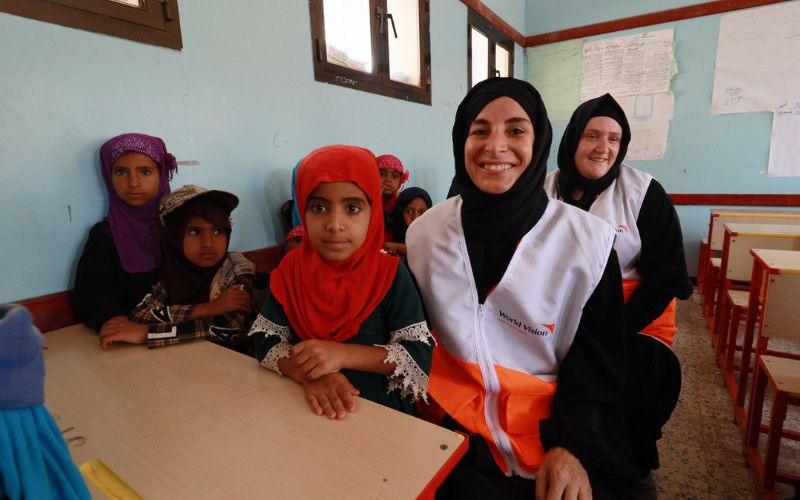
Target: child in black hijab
203	291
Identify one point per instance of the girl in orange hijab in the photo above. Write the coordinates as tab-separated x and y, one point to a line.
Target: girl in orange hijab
343	318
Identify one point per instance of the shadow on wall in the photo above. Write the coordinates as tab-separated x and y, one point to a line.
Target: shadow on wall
276	190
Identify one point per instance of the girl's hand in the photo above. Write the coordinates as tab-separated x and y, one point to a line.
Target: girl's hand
233	299
121	329
320	357
332	395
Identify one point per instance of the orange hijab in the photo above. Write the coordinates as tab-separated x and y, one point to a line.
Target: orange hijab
330	300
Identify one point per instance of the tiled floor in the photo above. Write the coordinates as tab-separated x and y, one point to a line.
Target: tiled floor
701	451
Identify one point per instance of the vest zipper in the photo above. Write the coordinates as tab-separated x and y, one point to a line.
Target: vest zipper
491	407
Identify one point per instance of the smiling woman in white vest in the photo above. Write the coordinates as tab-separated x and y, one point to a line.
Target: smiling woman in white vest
649	245
525	296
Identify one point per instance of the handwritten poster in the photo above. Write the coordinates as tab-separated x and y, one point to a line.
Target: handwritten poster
784	145
757	55
627	65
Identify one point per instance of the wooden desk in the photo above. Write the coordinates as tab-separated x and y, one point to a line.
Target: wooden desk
719	217
767	263
200	421
737	262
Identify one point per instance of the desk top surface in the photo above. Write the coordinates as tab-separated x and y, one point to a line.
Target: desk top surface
782	261
197	420
762	229
748	212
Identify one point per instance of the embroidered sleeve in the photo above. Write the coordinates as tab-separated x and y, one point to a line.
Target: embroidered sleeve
271	339
404	346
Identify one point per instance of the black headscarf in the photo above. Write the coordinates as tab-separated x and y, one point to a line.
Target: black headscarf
494	223
569	179
405	197
185	282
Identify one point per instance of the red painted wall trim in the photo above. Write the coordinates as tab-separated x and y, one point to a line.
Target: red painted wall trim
54	311
487	13
51	312
737	200
664	16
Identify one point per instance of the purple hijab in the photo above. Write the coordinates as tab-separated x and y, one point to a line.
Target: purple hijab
136	231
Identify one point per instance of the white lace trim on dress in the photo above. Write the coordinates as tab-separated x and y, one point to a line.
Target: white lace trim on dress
407	377
276	353
417	332
280	350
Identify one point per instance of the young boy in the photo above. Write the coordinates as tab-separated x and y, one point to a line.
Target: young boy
203	291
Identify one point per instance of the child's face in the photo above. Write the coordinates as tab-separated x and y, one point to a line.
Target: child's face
413	210
135	178
390	181
337	219
204	245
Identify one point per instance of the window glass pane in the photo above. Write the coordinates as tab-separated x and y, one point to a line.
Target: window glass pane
132	3
404	64
480	56
347	33
501	60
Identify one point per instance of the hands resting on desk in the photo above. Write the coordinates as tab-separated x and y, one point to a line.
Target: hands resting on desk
316	363
121	329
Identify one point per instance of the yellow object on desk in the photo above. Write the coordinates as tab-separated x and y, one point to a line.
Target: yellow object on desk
107	482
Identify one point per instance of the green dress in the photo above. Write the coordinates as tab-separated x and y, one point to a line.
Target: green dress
397	324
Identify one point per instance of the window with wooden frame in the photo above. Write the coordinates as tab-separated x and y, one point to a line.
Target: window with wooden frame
490	52
153	22
379	46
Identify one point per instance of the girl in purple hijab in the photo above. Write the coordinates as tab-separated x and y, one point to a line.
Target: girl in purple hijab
122	253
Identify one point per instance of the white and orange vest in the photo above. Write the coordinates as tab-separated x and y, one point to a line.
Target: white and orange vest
495	367
619	205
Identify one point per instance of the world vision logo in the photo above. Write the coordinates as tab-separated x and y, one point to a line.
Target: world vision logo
622	228
540	329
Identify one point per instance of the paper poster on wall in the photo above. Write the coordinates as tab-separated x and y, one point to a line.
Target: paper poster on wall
784	145
555	70
627	65
757	55
649	116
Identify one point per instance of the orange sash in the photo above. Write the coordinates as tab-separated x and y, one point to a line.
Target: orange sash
663	327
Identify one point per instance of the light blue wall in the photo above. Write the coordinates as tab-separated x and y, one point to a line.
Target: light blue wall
705	153
240	98
544	16
513	12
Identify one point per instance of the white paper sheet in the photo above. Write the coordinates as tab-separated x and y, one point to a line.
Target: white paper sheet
627	65
784	145
757	59
649	116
